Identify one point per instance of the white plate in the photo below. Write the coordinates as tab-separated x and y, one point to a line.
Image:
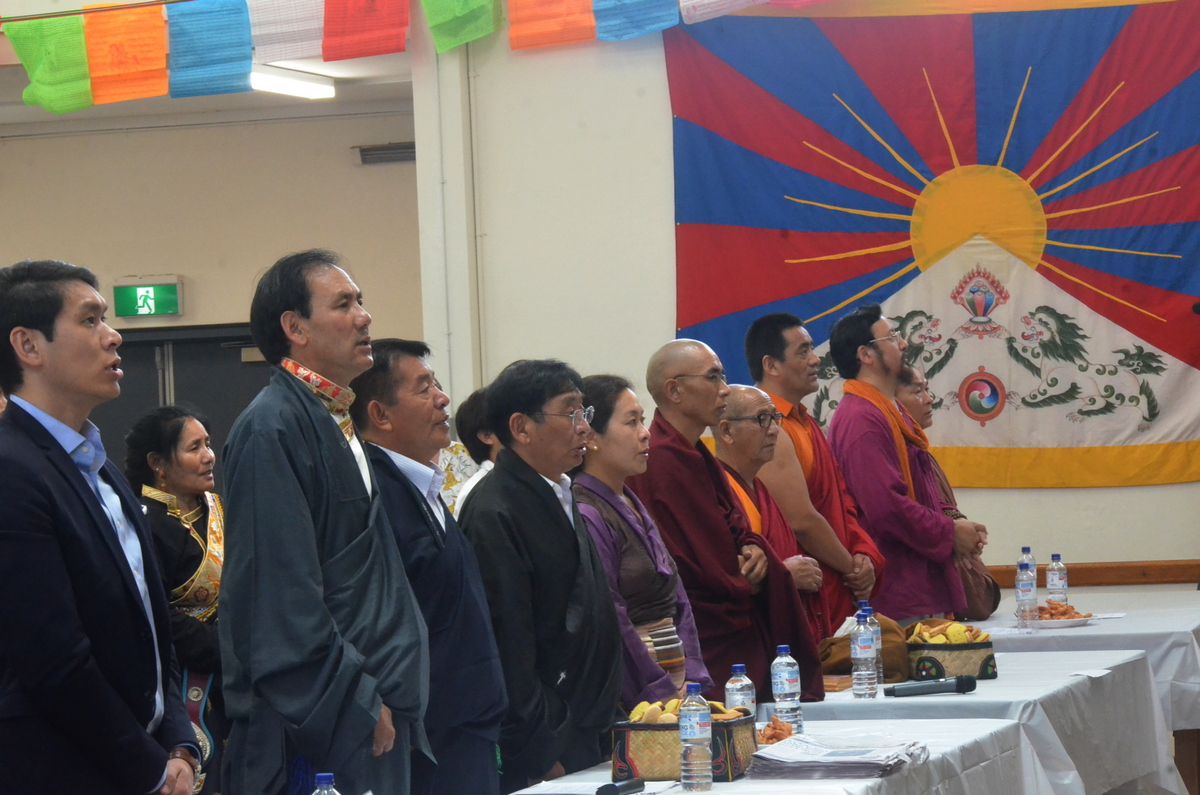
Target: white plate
1063	623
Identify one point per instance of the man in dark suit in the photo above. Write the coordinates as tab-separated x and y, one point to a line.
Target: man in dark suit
89	691
552	611
401	410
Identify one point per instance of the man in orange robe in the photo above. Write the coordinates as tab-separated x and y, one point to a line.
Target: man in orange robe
742	595
804	476
745	440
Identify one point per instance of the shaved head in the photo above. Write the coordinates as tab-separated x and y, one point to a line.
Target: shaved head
677	356
744	400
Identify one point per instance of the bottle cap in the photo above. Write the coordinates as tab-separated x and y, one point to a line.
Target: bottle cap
324	779
1023	566
783	649
861	617
870	611
1055	556
693	688
862	603
739	669
1024	550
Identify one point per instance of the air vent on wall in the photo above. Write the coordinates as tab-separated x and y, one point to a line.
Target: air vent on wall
387	153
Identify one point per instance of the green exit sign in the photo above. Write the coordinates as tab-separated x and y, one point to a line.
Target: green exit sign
146	300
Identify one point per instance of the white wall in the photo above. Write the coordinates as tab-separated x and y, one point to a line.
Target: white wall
219	204
576	254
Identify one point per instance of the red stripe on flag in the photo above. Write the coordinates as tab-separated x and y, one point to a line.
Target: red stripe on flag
1179	335
889	55
723	269
359	28
1178	174
1167	30
709	92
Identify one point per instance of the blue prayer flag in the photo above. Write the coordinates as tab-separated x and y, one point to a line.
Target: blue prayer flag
211	48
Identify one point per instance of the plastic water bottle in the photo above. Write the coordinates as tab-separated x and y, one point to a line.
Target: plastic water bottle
873	622
325	785
739	691
695	733
1027	599
785	687
1056	580
862	658
1027	557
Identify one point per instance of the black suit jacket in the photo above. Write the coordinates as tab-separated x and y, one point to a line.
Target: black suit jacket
77	670
466	682
553	618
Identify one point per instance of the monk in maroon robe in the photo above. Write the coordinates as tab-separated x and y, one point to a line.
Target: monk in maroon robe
744	442
743	598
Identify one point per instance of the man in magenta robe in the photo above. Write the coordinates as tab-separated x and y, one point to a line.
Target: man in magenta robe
742	595
885	458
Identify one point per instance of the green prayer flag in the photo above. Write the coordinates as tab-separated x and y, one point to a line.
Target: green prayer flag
455	22
54	55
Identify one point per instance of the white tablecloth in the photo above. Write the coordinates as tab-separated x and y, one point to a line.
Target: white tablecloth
1092	733
1164	625
966	757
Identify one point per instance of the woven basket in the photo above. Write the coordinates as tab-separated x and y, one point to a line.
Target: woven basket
651	751
939	660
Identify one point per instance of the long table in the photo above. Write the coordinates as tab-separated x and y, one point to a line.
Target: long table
1164	623
1093	717
966	757
1165	626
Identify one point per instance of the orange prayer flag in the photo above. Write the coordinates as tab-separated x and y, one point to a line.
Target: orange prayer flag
127	52
541	23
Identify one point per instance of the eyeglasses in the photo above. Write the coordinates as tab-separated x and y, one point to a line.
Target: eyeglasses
578	416
764	420
713	378
894	337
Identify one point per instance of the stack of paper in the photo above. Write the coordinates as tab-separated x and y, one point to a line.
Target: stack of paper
805	756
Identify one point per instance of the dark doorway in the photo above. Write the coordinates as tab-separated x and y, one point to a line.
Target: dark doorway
197	365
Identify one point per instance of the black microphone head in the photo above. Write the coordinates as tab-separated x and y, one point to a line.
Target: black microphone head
1196	307
964	683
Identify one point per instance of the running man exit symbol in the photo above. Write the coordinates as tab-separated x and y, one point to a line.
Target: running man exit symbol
145	300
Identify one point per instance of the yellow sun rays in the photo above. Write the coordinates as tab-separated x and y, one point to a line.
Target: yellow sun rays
920	262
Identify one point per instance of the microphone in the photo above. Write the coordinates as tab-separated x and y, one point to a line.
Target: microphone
963	683
1196	307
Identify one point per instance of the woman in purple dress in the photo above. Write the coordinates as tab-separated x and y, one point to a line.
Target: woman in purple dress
662	651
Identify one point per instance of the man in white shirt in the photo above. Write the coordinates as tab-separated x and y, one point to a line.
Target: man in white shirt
400	410
89	690
552	611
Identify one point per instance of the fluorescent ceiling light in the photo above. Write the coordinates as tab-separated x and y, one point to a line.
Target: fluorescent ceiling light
288	81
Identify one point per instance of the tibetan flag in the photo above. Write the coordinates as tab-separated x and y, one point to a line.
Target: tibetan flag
626	19
127	53
211	47
54	55
286	30
1020	192
359	28
456	22
543	23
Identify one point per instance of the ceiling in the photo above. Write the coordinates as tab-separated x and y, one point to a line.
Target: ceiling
381	83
